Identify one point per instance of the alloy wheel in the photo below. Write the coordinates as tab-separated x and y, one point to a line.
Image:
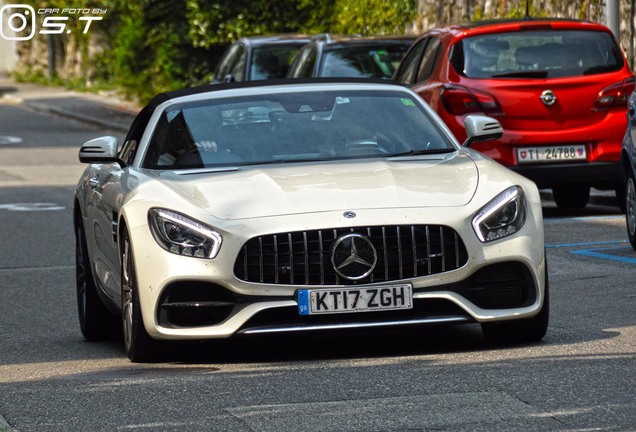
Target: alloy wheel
630	210
127	294
80	276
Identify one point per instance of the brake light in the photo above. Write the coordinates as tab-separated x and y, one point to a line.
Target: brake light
459	100
615	95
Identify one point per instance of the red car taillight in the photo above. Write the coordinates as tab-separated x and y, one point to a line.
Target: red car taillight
615	95
459	100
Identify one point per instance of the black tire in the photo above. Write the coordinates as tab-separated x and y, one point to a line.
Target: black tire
96	321
139	346
571	197
620	196
524	330
630	210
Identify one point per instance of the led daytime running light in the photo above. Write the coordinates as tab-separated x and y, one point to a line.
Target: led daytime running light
181	235
501	217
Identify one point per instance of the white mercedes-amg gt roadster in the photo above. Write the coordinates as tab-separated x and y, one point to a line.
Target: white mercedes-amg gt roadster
302	206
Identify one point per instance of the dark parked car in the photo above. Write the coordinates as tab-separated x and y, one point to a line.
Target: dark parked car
558	87
259	57
628	164
350	56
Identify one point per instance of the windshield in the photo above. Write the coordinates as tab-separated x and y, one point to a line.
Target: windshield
293	127
272	61
378	61
536	54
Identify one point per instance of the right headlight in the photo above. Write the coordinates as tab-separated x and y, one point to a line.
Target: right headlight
181	235
501	217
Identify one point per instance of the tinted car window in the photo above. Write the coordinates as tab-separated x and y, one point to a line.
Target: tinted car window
366	61
428	59
128	150
272	61
540	54
226	63
408	69
293	127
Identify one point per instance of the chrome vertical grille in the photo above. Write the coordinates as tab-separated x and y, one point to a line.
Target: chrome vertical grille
304	257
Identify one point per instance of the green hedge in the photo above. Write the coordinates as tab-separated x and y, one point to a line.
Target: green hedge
158	45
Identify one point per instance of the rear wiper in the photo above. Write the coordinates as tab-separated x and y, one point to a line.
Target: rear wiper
523	74
415	152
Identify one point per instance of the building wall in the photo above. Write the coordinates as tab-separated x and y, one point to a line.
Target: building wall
8	47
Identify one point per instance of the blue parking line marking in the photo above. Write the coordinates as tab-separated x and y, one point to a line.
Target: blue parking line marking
595	253
569	245
589	250
580	218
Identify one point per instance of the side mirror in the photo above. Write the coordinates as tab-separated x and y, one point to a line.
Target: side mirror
100	150
481	128
229	78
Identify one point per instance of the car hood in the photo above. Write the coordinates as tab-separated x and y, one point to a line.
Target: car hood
276	190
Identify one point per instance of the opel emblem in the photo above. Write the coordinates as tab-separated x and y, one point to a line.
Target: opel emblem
548	97
353	256
349	214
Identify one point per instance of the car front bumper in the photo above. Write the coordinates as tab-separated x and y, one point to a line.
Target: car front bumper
190	298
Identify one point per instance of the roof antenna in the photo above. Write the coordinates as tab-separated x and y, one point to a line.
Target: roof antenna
527	17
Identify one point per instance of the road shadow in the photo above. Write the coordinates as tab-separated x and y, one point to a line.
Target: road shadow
313	346
602	203
7	89
331	346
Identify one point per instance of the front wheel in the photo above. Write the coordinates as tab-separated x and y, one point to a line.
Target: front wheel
139	346
96	321
630	210
523	330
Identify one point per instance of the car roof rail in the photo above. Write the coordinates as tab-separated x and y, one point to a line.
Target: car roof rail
323	37
329	38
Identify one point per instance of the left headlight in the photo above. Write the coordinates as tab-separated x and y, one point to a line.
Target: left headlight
181	235
501	217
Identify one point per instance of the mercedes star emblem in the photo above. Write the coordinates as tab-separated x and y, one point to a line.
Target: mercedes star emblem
353	256
548	97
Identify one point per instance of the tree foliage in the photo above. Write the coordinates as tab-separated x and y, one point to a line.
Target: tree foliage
213	22
373	17
152	50
148	46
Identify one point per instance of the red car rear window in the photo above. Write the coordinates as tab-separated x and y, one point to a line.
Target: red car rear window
536	54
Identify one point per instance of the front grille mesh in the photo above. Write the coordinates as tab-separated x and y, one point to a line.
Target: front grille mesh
304	257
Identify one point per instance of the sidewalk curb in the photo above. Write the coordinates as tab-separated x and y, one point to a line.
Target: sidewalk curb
102	111
83	118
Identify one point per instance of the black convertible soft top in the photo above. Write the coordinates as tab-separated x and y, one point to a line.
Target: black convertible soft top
140	122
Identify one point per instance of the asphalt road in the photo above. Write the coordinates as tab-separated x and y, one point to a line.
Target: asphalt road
582	377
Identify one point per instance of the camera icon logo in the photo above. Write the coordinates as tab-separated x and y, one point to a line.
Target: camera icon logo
17	22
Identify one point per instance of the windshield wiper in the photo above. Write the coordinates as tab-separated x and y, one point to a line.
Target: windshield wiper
415	152
523	74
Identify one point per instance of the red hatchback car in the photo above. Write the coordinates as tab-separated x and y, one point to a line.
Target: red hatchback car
558	87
